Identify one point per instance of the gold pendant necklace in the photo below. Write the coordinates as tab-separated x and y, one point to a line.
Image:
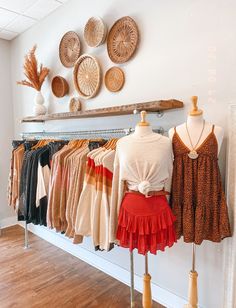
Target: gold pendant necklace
193	153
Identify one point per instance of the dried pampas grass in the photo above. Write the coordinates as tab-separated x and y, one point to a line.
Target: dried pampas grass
35	77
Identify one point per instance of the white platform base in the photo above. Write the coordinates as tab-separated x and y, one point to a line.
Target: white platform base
159	295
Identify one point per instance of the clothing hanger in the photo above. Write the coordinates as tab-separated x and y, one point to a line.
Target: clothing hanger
111	144
39	144
96	140
72	143
82	142
107	144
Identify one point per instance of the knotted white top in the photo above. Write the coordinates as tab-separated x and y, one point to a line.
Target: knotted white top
145	164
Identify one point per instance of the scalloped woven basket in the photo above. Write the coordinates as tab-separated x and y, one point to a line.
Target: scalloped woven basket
122	40
87	76
95	32
69	49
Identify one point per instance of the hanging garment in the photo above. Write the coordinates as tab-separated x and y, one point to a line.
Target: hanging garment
36	214
97	209
10	180
25	182
198	200
44	172
17	165
87	198
80	175
102	221
67	184
66	180
143	166
43	178
77	167
13	189
92	213
53	213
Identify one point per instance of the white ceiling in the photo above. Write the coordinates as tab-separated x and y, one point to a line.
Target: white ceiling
16	16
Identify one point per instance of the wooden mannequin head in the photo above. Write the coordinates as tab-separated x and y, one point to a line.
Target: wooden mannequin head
195	111
143	119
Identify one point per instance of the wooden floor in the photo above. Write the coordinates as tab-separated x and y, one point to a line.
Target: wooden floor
45	276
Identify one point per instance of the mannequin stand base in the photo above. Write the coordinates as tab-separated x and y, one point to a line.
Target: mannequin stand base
147	293
193	292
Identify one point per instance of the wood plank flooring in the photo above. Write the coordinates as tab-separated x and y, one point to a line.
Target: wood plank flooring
46	276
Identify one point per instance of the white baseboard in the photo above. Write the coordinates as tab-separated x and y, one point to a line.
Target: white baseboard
160	295
7	222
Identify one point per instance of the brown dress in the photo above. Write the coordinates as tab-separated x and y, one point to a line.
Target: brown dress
198	200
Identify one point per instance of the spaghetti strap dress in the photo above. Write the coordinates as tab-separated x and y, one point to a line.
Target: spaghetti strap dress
198	200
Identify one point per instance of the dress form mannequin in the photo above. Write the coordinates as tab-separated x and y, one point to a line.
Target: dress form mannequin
141	180
197	127
142	129
195	123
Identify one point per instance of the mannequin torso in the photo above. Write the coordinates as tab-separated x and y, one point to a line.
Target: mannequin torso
195	125
198	200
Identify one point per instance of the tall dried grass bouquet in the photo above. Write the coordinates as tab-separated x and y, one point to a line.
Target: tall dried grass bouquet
35	75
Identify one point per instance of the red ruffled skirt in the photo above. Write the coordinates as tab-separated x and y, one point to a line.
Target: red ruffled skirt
145	223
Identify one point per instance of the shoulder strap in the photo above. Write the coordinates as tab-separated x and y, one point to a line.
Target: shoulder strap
213	126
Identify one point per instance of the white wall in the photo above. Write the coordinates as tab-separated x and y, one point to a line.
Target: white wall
6	126
186	48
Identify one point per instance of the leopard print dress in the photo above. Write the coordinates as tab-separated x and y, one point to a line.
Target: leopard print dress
198	200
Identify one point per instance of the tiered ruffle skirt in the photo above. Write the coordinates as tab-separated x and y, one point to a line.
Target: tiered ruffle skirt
145	223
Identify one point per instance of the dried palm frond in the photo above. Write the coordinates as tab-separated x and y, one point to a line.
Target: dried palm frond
35	77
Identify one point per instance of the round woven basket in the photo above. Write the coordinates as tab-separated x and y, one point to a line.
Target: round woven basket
95	32
122	40
87	76
69	49
59	86
114	79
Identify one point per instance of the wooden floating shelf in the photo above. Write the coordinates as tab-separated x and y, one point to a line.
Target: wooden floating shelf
153	106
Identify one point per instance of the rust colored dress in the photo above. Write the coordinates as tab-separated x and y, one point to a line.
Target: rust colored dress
198	200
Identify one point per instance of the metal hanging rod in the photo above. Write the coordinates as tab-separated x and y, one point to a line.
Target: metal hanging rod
105	133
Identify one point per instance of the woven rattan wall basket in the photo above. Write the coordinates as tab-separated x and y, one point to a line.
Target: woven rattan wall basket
87	76
59	86
122	40
95	32
69	49
114	79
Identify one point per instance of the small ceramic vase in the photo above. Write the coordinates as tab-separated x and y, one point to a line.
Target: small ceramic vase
39	108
